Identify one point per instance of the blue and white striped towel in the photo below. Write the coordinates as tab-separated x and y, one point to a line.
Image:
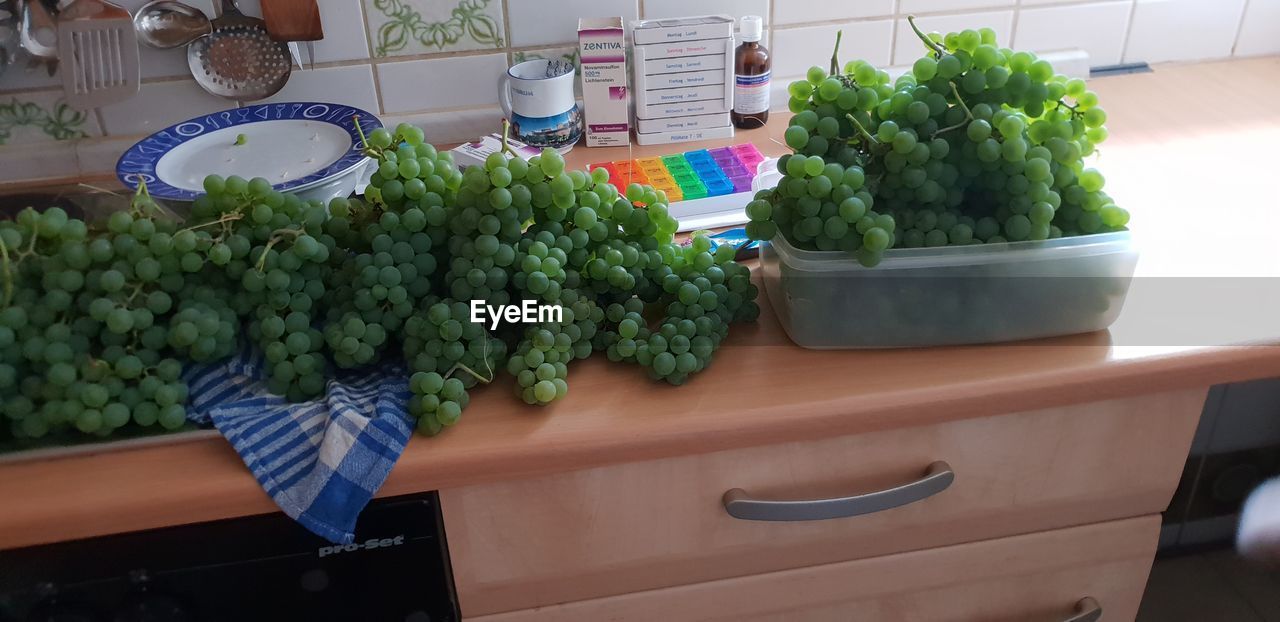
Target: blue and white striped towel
321	461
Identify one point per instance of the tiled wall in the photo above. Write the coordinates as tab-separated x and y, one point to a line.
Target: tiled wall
437	62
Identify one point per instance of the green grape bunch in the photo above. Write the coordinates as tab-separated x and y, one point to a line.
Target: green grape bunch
92	336
270	252
976	144
447	354
394	242
99	319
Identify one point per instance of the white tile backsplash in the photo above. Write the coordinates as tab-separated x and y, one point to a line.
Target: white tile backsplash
460	81
908	7
909	47
440	59
1097	28
351	85
159	105
19	76
816	11
344	32
537	22
100	155
453	126
1260	31
654	9
797	49
39	161
1168	30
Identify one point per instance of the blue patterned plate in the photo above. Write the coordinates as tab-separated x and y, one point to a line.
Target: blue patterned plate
295	146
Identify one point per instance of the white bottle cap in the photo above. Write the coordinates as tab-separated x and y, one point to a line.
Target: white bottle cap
752	28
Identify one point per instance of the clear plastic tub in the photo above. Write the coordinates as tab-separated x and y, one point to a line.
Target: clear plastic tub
950	295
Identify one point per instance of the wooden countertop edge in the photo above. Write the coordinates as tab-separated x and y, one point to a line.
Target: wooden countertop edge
417	470
76	497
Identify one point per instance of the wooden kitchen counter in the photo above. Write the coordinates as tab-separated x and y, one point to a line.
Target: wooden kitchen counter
1196	177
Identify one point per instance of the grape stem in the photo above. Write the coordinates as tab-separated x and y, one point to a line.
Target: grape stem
97	189
487	364
137	289
835	61
929	43
369	150
457	366
862	130
506	136
8	273
963	106
35	235
226	218
142	198
277	236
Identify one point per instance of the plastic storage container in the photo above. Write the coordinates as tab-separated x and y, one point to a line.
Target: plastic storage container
950	295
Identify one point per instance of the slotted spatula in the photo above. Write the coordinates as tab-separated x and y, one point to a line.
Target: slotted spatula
98	48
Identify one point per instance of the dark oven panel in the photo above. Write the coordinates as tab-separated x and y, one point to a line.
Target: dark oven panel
257	568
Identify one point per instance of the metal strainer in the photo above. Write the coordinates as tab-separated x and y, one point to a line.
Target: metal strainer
239	59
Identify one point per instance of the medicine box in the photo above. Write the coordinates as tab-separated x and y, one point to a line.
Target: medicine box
683	50
701	62
675	124
683	77
684	136
650	31
602	55
474	153
683	109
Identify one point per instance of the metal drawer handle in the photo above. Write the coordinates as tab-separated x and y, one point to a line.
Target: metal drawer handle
740	505
1087	610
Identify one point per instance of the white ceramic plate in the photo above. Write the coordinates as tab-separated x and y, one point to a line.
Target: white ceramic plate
297	146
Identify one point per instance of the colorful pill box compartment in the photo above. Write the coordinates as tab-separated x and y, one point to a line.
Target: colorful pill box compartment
692	174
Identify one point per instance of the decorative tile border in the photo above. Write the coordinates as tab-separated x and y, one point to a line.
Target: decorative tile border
57	121
402	27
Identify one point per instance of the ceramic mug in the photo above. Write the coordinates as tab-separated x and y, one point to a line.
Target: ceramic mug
543	111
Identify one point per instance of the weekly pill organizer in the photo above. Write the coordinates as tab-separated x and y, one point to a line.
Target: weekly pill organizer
707	187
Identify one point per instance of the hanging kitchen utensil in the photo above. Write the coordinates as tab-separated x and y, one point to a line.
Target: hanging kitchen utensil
9	26
99	52
38	30
294	20
239	59
167	24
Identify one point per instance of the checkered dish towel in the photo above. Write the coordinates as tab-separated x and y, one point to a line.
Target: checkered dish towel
321	461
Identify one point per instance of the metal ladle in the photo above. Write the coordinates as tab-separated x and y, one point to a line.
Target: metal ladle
168	24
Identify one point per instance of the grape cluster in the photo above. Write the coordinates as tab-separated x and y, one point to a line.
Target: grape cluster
704	292
441	341
540	363
90	336
976	144
96	322
203	329
270	250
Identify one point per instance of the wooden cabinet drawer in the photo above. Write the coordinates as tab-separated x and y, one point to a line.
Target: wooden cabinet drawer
1036	577
645	525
